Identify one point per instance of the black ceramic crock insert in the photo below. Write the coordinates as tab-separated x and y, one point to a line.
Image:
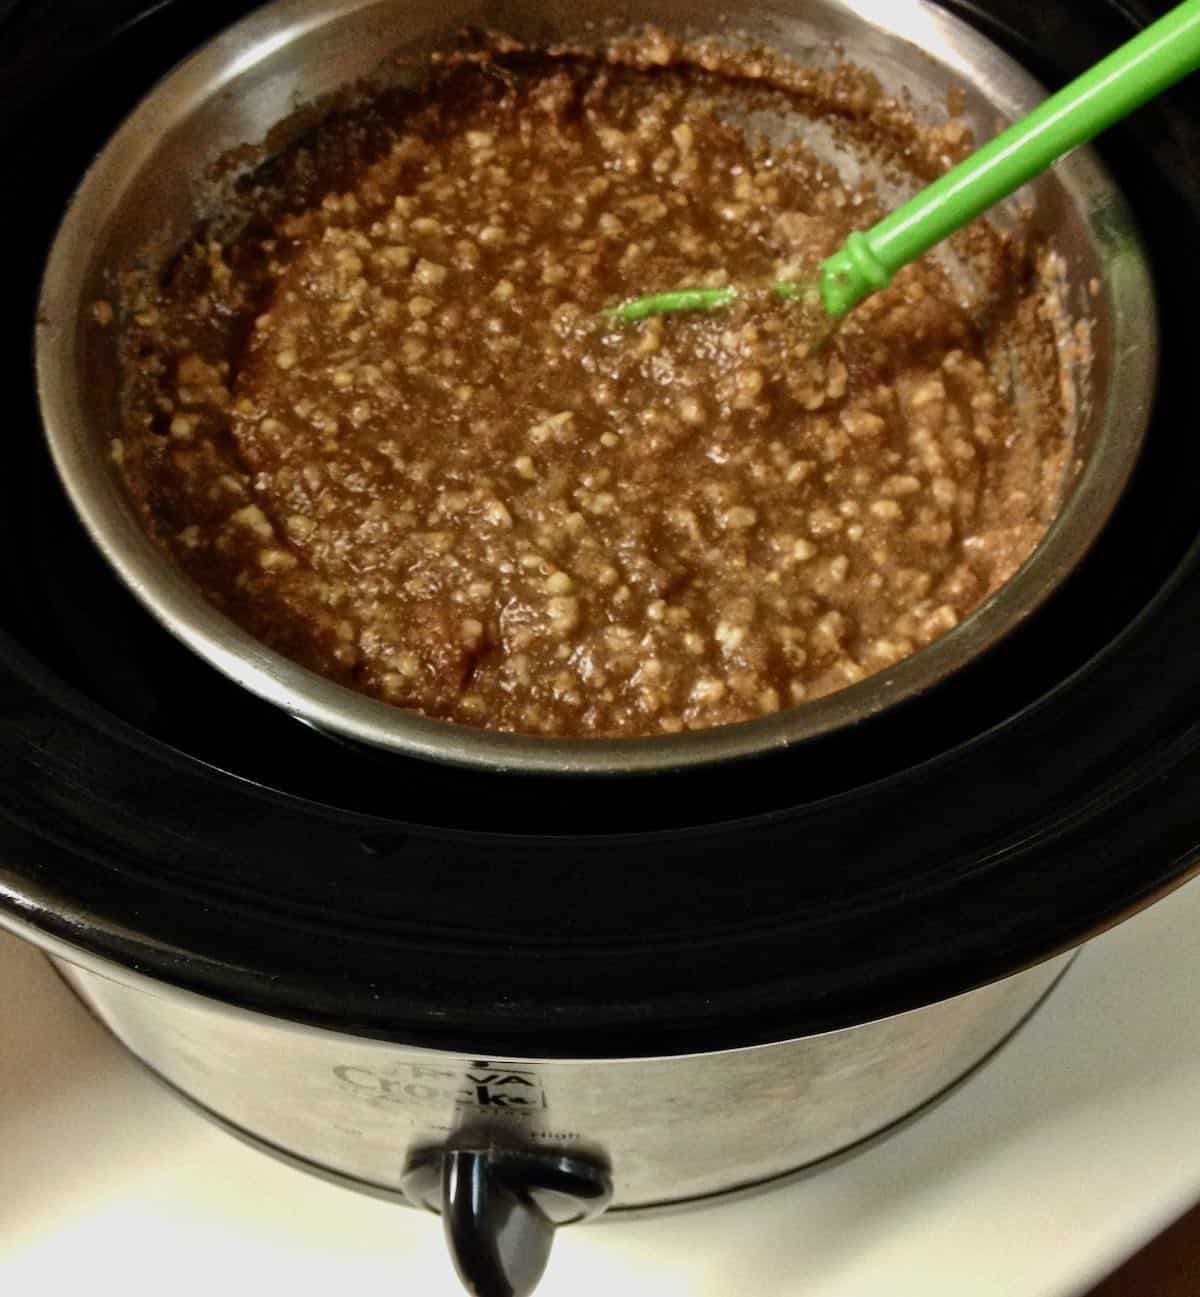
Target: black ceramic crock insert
153	813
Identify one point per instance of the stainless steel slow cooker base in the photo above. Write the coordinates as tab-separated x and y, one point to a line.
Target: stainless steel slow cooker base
668	1131
673	1207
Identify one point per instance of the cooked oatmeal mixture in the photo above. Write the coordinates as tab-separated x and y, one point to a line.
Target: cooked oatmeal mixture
388	429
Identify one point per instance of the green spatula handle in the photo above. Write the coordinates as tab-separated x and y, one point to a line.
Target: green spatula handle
1142	68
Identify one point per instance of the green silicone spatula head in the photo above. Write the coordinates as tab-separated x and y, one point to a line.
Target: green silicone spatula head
1151	62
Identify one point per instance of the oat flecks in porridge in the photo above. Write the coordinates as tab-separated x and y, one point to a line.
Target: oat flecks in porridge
426	468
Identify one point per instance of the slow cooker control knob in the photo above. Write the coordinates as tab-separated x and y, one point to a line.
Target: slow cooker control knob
501	1206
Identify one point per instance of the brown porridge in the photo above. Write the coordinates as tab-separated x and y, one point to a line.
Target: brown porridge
387	428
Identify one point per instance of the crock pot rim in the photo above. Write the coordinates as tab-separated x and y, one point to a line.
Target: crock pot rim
1105	858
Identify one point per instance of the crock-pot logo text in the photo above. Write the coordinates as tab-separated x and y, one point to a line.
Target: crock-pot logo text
492	1087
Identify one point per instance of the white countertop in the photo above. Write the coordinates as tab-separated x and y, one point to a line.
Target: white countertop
1063	1155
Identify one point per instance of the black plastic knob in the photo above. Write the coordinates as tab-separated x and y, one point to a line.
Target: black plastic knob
501	1206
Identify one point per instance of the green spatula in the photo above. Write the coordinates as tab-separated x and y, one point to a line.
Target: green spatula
1142	68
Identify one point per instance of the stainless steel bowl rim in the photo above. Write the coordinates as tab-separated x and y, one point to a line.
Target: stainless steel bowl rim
179	606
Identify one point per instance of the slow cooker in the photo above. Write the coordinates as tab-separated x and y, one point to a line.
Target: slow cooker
526	1001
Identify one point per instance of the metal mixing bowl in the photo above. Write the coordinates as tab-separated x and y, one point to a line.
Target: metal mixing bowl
153	181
